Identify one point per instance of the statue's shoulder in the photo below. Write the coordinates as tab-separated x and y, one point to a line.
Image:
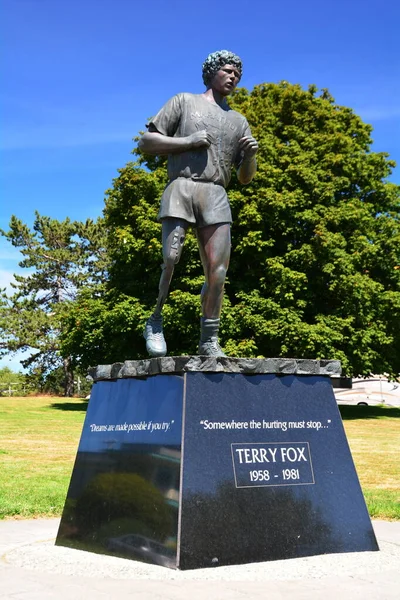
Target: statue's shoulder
181	100
186	97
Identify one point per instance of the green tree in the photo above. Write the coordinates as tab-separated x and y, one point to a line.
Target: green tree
112	496
11	383
60	258
54	383
315	268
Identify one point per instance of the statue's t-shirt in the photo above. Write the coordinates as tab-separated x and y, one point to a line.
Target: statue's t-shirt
185	114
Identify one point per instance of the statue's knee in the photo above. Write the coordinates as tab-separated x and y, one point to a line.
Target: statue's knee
173	254
177	257
219	275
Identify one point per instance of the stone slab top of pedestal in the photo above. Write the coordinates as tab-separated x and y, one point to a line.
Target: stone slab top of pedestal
248	366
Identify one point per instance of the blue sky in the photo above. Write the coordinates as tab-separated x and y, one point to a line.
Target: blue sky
80	79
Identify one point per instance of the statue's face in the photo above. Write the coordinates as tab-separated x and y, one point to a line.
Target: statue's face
225	80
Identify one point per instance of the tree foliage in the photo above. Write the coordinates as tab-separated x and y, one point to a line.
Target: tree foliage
315	268
60	258
11	382
112	496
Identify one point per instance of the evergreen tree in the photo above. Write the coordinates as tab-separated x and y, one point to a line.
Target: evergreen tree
60	257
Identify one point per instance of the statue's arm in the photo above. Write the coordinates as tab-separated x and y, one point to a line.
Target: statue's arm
248	147
154	142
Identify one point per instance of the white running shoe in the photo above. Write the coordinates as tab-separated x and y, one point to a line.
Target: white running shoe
154	336
210	348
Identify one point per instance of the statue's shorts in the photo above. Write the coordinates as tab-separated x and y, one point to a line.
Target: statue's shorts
199	202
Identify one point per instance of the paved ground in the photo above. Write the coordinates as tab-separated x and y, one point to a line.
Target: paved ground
33	568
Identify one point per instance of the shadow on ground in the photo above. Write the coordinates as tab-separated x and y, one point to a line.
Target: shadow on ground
73	406
368	412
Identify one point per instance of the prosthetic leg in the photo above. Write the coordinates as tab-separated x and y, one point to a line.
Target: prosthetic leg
173	237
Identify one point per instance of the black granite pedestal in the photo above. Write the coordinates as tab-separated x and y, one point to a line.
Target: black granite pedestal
193	462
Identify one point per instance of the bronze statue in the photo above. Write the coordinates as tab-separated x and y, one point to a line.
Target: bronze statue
203	139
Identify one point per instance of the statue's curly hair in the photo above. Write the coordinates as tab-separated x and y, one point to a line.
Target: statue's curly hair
216	60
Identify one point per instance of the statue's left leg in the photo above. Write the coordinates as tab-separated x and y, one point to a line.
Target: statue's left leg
215	249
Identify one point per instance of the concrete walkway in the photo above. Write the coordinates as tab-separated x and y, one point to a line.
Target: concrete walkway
33	568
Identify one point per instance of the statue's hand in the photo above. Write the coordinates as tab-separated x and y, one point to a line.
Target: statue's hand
248	146
200	139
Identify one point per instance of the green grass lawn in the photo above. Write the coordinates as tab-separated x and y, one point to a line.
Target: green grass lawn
373	433
39	437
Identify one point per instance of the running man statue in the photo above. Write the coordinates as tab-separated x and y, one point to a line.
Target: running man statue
203	139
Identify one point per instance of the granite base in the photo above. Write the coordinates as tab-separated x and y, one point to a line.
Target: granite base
199	469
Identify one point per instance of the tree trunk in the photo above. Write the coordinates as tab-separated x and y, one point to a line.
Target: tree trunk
69	378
